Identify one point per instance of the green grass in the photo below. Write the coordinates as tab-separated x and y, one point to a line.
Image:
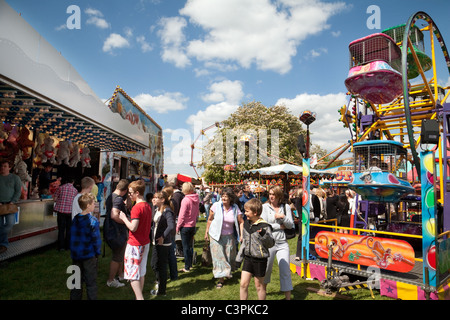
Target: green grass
42	275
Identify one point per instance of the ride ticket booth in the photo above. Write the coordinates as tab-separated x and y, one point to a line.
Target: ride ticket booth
50	115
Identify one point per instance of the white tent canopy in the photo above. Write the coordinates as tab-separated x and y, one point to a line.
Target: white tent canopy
284	169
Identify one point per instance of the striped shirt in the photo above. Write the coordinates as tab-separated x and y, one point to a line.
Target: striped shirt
64	196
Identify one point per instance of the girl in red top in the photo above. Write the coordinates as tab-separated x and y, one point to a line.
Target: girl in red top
136	252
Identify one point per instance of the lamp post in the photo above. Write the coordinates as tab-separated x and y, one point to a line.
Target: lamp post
307	117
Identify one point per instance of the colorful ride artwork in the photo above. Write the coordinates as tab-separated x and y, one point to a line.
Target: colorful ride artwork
400	224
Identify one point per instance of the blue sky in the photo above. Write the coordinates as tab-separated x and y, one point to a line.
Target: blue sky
191	63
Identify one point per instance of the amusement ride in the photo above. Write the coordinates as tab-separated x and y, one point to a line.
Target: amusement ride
399	122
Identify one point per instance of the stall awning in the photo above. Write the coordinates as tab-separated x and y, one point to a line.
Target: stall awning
184	178
40	89
286	169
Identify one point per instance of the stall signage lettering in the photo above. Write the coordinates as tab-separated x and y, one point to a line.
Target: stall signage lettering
344	176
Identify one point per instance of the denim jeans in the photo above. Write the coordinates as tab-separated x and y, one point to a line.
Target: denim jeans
187	236
6	223
207	208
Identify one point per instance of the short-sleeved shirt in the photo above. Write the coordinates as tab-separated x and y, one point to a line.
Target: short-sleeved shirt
76	206
115	201
141	236
64	196
116	234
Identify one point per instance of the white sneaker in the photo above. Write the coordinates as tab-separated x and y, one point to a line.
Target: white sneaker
114	284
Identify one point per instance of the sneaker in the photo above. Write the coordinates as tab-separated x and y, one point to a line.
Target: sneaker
157	293
114	284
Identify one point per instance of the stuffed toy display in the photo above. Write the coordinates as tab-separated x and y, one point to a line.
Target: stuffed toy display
85	158
48	151
74	155
24	142
21	170
63	153
3	136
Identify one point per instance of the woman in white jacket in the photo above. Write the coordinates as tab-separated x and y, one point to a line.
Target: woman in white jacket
223	228
279	216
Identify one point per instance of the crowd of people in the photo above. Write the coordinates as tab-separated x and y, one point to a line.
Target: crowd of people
241	229
136	224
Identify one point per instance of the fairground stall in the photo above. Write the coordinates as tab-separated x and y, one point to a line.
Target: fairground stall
398	241
285	175
341	176
51	118
147	163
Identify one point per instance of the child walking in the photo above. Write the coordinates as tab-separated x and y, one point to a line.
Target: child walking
85	246
257	239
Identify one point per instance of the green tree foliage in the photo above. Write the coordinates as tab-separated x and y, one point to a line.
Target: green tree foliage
280	126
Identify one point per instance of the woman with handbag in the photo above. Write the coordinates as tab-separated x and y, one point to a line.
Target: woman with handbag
279	216
223	228
10	190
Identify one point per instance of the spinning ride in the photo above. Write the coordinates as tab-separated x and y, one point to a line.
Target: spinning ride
383	105
393	88
380	171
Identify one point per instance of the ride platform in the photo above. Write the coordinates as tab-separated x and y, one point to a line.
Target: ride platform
396	285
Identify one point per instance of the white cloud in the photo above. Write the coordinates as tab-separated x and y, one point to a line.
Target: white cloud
93	12
128	32
336	33
172	39
326	131
163	103
61	27
145	46
95	17
315	53
230	91
115	41
226	96
245	32
213	113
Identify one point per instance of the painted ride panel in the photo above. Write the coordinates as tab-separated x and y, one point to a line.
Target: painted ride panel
387	254
376	82
380	186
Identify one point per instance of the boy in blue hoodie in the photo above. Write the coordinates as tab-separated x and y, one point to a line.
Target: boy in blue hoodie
85	246
257	239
